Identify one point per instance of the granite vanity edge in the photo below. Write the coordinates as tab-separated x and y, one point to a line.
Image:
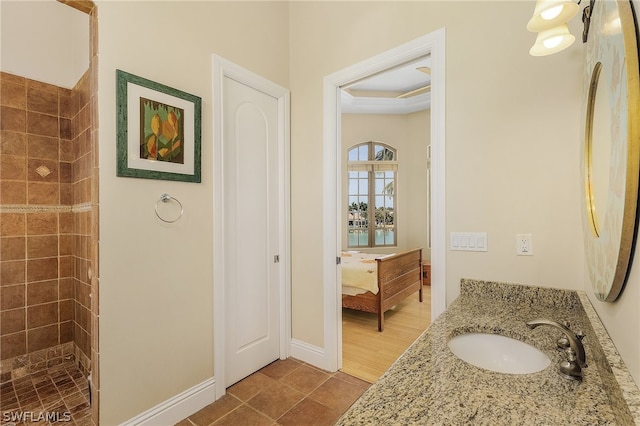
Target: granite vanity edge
628	388
519	293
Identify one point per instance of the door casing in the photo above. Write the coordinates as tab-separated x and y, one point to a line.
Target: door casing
433	44
223	68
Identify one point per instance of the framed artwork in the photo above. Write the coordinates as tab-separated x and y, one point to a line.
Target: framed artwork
159	130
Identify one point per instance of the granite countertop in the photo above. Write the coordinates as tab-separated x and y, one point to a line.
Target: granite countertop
429	385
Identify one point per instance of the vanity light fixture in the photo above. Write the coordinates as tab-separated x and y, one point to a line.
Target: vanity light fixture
549	20
551	13
552	41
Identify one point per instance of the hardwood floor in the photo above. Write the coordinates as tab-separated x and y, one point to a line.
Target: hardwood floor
366	352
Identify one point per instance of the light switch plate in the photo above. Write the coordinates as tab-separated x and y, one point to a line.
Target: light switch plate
468	241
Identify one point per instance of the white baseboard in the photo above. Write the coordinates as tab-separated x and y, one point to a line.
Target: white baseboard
177	408
310	354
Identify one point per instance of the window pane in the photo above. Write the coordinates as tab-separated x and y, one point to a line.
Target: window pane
380	184
363	186
353	187
357	222
363	152
382	153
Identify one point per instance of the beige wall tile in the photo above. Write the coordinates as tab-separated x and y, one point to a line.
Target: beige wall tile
43	147
42	223
43	193
66	266
42	315
66	331
12	321
42	97
13	143
42	292
42	246
66	175
12	248
42	338
12	272
65	222
13	119
42	124
65	245
13	168
13	345
12	297
13	192
65	288
42	269
66	310
13	91
65	104
12	224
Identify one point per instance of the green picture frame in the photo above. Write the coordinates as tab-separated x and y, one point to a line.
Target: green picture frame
158	130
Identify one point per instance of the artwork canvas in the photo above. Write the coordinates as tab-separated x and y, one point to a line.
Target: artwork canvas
158	130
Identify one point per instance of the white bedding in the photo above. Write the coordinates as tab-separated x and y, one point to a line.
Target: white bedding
360	272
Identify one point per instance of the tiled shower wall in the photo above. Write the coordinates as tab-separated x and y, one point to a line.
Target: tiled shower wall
82	172
45	217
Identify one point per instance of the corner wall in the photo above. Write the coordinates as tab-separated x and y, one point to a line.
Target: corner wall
156	279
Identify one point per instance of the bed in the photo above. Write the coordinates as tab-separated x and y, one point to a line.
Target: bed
374	282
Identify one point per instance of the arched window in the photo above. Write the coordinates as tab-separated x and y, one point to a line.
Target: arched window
371	176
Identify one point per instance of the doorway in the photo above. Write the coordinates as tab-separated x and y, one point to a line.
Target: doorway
251	225
432	44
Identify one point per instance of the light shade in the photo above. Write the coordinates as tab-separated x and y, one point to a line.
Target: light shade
552	41
551	13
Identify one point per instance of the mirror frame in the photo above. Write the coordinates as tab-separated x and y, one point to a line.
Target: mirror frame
609	247
592	211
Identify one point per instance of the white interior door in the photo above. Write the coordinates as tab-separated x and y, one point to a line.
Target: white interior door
251	230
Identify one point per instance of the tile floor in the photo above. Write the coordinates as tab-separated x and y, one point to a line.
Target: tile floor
58	395
285	392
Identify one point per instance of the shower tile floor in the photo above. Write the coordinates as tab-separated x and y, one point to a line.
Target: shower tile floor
57	395
285	392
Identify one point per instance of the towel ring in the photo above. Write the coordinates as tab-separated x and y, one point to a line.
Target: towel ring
165	198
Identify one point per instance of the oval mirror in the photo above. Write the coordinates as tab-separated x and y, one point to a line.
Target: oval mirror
611	159
597	149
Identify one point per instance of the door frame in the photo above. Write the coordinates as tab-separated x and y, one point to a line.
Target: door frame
223	68
434	44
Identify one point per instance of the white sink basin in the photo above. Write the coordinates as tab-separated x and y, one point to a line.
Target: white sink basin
498	353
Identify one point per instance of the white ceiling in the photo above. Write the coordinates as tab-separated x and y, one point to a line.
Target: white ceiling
378	94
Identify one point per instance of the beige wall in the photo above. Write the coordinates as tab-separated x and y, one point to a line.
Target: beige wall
409	134
156	295
512	130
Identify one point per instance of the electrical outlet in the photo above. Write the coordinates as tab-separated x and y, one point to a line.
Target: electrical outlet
524	245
